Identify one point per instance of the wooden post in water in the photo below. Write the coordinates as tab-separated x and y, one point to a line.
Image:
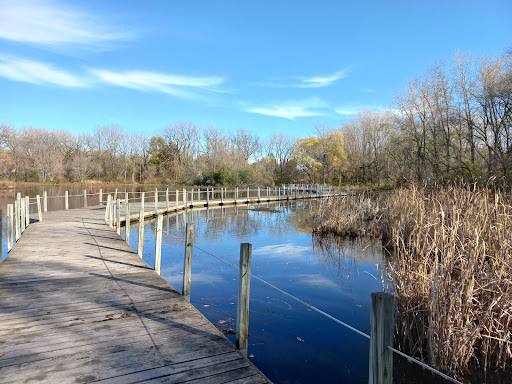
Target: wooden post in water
167	199
158	243
127	221
198	194
244	288
382	325
177	199
236	194
207	197
10	226
142	200
16	220
140	247
115	195
45	201
187	267
192	196
259	194
222	196
248	194
66	200
101	196
85	198
156	200
126	198
39	213
118	217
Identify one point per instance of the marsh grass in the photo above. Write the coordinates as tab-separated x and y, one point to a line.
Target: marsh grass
451	268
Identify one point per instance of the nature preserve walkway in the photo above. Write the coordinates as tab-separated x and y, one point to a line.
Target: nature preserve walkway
78	305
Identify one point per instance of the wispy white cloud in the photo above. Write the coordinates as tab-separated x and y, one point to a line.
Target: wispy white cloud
291	109
315	280
37	73
281	249
354	110
152	81
368	90
323	81
54	23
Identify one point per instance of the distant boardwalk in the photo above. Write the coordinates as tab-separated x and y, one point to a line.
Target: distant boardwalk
78	305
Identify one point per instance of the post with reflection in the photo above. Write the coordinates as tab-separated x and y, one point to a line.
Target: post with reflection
156	200
158	243
167	199
187	266
66	200
382	325
244	287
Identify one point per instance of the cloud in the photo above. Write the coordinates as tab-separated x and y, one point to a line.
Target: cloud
37	73
354	110
368	90
315	280
323	81
281	249
291	109
52	23
151	81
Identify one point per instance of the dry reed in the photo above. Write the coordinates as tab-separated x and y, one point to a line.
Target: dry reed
451	268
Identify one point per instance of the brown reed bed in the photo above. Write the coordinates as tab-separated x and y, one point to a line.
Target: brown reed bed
450	263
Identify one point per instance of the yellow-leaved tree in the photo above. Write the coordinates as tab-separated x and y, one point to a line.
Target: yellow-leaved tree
320	156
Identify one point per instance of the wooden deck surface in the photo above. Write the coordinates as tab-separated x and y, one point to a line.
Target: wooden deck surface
78	305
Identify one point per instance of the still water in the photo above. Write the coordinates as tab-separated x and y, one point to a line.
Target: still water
288	341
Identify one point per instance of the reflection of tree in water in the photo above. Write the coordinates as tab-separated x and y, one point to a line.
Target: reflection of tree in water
345	255
241	222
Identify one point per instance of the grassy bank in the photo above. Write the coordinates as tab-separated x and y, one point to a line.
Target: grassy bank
451	266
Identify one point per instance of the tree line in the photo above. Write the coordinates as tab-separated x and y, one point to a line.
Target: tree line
452	123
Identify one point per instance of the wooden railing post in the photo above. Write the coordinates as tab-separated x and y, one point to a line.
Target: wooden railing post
127	221
207	197
107	210
244	288
259	194
118	217
156	200
39	213
101	196
167	199
221	196
185	197
187	266
236	194
111	213
66	200
17	219
45	201
140	246
23	208
177	199
115	195
192	197
142	200
10	227
27	217
158	243
85	198
382	325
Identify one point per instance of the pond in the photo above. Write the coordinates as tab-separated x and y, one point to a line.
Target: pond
289	342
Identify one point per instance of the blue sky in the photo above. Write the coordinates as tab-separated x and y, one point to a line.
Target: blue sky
265	66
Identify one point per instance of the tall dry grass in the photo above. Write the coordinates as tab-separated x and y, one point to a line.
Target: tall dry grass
451	268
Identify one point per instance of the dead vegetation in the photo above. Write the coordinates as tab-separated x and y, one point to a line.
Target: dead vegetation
451	267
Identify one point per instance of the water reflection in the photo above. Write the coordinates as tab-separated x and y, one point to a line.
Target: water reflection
289	342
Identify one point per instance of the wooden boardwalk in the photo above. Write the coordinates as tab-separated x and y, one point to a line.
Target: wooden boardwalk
78	305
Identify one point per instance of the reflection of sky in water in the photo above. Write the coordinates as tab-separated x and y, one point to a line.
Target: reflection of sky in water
289	342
